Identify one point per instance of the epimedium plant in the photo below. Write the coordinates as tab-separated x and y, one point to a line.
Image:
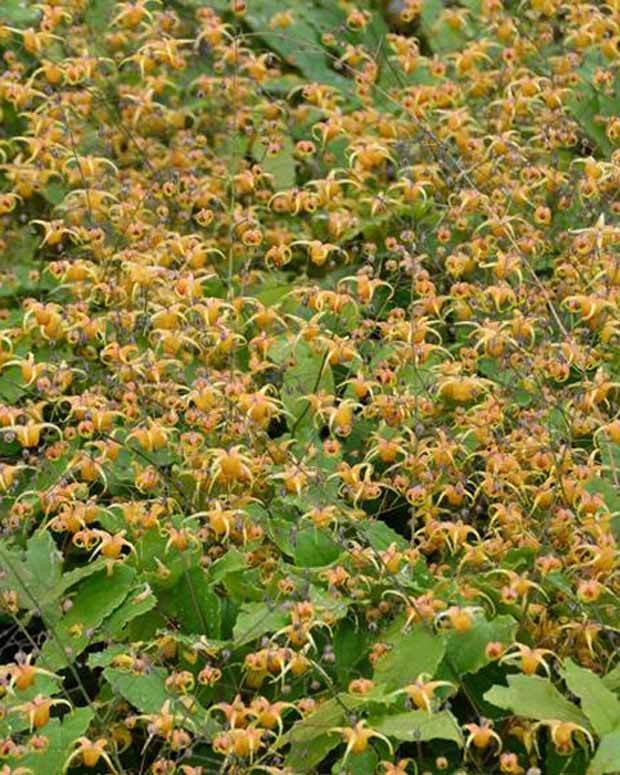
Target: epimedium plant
309	383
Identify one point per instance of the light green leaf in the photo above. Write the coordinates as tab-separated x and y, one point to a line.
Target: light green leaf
599	703
54	193
310	738
146	692
612	679
243	586
310	372
17	12
350	647
33	576
331	713
138	602
332	607
193	604
98	15
365	763
380	536
419	726
10	391
281	166
14	722
314	548
106	657
606	760
534	697
151	548
299	45
96	598
441	37
61	737
584	105
304	757
413	653
466	652
43	560
231	562
255	619
76	575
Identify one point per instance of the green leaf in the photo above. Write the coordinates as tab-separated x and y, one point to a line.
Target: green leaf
606	760
612	679
231	562
610	458
105	658
43	560
309	372
314	548
365	763
303	757
335	606
281	533
281	166
310	739
17	12
10	392
331	713
35	576
299	45
20	252
273	291
419	726
243	586
466	651
350	647
606	488
193	604
419	379
54	193
61	735
599	703
560	581
255	619
150	548
441	37
137	603
532	696
413	653
585	105
380	536
72	577
13	722
96	598
146	692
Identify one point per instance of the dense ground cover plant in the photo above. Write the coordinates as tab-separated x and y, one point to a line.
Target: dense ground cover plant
309	387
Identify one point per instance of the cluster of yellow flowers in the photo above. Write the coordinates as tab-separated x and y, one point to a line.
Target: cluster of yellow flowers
309	386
